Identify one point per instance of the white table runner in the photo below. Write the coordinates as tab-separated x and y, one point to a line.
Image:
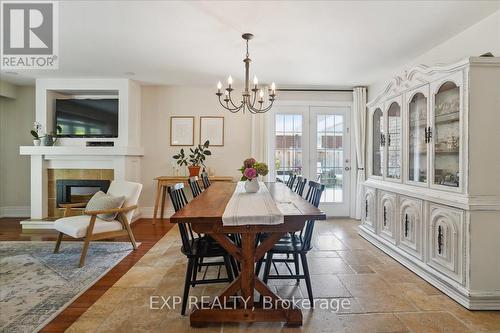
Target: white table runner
255	208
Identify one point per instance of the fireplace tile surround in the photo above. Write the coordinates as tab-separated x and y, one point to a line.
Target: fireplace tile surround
66	174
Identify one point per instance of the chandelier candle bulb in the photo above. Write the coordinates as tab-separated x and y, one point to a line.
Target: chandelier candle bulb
255	81
229	81
219	87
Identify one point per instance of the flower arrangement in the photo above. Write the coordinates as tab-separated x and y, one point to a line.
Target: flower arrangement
251	169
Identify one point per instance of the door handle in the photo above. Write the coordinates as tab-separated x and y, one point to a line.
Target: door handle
347	168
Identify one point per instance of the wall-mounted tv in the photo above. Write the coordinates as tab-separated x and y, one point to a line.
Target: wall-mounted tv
87	118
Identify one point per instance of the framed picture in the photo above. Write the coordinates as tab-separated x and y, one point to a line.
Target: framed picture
212	129
181	131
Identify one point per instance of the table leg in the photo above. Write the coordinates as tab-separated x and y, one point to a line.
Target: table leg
157	200
163	198
247	282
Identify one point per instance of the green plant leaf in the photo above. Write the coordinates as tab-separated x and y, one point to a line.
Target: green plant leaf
35	134
206	144
207	152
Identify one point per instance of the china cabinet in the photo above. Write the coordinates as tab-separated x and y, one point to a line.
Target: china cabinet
432	194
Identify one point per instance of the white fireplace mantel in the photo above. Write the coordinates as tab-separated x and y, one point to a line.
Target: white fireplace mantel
81	151
125	161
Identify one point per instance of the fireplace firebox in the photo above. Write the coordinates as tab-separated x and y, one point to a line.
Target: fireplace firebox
78	190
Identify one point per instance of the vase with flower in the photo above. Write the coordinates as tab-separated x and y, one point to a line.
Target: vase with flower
251	170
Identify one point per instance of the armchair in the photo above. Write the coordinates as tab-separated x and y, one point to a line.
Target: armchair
90	227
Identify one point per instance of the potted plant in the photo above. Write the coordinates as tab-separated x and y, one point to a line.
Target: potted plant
250	170
51	138
195	160
35	132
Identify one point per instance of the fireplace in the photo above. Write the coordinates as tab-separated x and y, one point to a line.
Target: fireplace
78	190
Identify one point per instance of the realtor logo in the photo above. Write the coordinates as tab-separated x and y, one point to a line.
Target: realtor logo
29	35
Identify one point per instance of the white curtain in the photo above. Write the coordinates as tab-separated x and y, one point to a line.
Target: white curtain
260	142
359	136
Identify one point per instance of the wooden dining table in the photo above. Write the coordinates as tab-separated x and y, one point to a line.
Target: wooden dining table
204	213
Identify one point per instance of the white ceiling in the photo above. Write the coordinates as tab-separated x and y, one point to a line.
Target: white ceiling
307	43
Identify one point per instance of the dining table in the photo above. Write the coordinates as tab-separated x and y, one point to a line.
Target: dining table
205	212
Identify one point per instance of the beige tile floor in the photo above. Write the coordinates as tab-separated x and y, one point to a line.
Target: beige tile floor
383	295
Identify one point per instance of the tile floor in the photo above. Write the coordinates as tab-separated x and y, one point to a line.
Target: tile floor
383	296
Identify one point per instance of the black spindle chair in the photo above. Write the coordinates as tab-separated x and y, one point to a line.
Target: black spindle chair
196	248
206	180
297	245
195	186
301	184
291	181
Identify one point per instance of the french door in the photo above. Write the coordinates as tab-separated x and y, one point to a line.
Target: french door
314	142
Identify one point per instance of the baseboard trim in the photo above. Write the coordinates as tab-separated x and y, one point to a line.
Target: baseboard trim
37	224
470	300
15	211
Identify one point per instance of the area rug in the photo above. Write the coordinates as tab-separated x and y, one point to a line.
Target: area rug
36	284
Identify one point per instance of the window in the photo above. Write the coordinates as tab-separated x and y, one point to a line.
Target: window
288	151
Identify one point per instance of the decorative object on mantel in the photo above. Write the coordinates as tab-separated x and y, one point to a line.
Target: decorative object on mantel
182	131
35	132
212	129
49	139
251	169
195	160
249	100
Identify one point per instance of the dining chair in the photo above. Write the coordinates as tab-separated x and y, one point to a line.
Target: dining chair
195	186
301	184
90	227
291	180
206	180
196	248
295	245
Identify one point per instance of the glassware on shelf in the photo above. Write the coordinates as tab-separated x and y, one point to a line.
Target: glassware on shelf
417	143
446	136
378	143
394	141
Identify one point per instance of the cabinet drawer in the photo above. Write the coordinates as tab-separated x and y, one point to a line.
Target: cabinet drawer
445	241
410	226
387	215
369	212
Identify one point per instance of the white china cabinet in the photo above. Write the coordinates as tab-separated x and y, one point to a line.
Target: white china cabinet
432	197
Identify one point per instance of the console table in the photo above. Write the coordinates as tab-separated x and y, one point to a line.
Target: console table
162	182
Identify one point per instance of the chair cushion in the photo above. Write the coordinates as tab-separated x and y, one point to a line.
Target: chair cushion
101	200
76	226
130	190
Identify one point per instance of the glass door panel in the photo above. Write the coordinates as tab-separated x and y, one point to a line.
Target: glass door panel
378	146
394	141
288	146
330	156
417	129
446	136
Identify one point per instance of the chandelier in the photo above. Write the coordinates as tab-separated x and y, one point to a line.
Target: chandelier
252	98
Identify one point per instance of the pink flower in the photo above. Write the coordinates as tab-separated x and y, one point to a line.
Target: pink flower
249	162
250	173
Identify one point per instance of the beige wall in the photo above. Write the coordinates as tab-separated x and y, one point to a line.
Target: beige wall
16	120
478	39
161	102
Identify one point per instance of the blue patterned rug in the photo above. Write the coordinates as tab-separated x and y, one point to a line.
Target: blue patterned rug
36	284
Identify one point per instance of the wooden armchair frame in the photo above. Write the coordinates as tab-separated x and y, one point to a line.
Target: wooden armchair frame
122	218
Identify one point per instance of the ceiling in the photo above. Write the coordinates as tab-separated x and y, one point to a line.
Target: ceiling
306	43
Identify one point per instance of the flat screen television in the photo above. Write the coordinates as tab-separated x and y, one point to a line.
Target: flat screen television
87	118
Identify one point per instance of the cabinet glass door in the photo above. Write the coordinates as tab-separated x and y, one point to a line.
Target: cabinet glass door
378	143
394	141
446	136
417	142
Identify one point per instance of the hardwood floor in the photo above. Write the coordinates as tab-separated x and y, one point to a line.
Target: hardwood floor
144	231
